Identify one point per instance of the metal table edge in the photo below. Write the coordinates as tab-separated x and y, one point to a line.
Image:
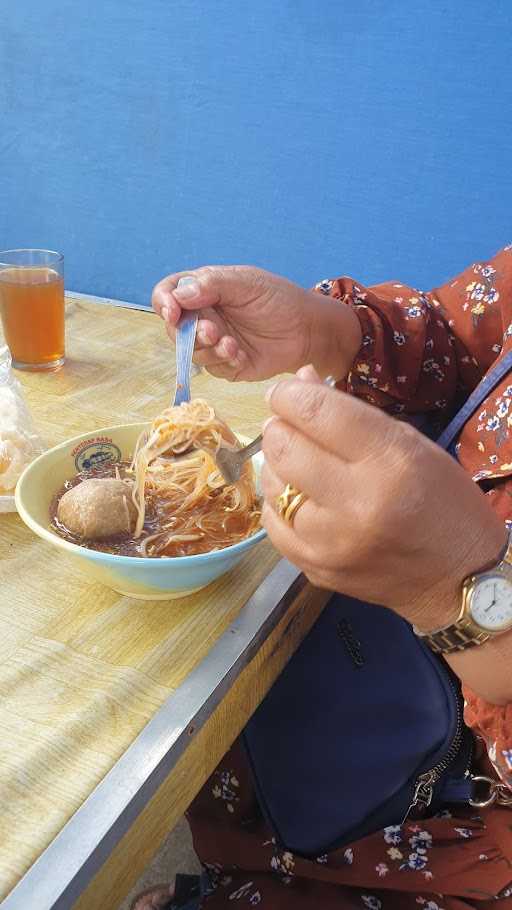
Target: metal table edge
66	867
108	301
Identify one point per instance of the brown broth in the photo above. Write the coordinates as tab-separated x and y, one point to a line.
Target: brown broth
236	525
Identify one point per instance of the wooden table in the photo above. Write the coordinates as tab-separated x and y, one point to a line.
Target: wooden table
113	711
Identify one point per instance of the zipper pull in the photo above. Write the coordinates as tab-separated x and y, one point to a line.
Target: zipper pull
423	793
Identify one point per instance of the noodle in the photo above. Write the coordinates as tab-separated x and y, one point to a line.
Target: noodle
197	510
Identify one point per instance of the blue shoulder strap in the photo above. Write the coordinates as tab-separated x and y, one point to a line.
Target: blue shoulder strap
482	391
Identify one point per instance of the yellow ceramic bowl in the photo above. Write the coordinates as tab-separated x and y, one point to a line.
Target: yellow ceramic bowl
148	579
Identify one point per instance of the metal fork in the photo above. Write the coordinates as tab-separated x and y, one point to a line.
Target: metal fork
231	461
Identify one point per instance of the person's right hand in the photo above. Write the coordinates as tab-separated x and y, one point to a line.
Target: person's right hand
254	325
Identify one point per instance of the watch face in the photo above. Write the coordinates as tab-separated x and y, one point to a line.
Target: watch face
491	603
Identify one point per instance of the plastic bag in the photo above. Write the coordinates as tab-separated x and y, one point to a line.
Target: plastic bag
19	442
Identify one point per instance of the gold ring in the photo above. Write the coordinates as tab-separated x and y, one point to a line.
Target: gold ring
289	502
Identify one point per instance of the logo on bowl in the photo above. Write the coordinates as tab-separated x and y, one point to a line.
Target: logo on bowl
92	453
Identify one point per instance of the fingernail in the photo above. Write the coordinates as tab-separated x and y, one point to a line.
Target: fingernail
165	313
269	392
308	373
187	288
266	423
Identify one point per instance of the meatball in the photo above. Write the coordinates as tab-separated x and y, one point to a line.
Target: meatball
98	508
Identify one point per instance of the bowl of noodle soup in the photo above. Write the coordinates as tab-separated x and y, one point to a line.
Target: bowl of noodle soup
177	546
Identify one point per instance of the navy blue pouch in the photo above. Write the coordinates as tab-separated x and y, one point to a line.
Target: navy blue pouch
353	735
364	727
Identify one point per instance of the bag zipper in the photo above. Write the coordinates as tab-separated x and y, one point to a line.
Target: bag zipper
425	783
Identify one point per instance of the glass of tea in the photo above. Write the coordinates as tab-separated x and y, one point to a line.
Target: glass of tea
32	307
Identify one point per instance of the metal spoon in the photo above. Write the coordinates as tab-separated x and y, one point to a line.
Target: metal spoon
185	340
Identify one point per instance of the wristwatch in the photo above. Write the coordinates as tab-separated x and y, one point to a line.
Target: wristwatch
486	609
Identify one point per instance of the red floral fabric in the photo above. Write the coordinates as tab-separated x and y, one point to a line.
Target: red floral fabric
422	353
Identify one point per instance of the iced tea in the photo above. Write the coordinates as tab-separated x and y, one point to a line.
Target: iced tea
32	311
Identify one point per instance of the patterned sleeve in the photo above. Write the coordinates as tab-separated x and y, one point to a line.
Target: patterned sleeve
494	724
420	348
420	351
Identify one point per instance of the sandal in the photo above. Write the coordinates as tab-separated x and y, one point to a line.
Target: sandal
158	897
169	897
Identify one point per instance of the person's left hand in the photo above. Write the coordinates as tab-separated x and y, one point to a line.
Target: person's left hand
390	518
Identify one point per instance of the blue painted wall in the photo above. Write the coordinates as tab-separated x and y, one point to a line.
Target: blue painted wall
312	137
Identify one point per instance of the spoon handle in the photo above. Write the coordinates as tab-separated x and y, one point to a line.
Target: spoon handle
185	340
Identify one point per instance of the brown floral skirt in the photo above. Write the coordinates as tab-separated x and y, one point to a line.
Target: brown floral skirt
450	862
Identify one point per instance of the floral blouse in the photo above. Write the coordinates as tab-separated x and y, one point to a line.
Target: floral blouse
422	354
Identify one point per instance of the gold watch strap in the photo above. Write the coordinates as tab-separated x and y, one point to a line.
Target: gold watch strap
464	633
457	637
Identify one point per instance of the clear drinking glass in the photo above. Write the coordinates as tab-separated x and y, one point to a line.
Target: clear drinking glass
32	307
